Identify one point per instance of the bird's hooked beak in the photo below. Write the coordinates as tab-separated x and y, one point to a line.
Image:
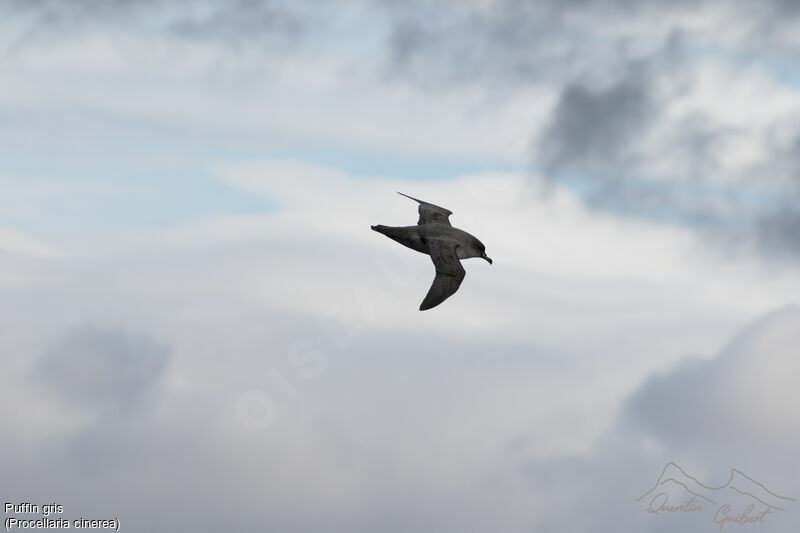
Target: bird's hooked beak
487	258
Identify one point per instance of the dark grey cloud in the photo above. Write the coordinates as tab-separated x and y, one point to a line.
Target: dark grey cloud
518	41
241	21
102	370
612	94
596	141
59	16
779	231
594	129
439	44
237	22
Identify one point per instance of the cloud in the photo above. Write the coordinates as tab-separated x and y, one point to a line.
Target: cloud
103	370
778	231
734	410
685	145
440	44
509	395
245	22
594	129
635	126
745	395
17	242
235	22
509	413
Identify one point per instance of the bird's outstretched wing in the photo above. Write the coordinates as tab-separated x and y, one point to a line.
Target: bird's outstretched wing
429	213
449	273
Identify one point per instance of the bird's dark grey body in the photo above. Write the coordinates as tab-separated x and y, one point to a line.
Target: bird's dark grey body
418	237
433	235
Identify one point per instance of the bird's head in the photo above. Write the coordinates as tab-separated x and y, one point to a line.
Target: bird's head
481	249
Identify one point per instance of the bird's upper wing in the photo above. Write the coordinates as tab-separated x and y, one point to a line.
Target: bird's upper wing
449	273
429	213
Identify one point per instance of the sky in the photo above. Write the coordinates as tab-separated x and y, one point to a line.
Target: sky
201	333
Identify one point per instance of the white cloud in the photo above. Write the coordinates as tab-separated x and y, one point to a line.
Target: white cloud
15	241
311	98
490	418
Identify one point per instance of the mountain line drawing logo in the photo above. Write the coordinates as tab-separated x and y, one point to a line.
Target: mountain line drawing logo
741	500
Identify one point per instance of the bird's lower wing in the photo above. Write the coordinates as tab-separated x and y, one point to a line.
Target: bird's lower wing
449	273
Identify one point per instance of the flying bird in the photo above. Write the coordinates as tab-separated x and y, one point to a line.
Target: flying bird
433	235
